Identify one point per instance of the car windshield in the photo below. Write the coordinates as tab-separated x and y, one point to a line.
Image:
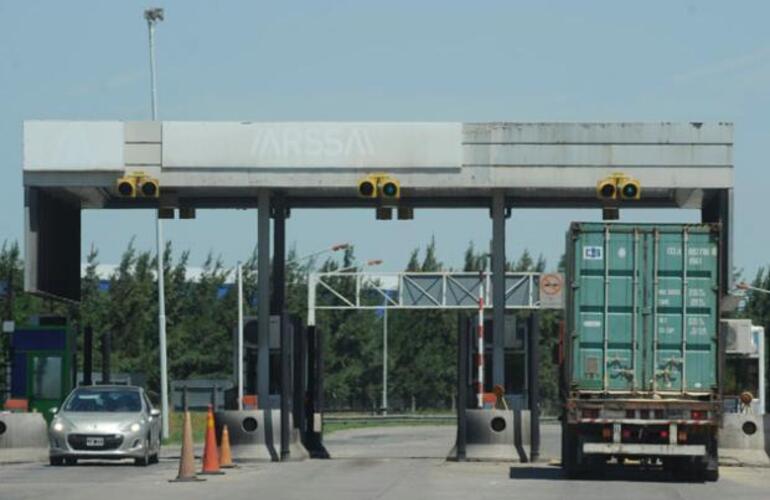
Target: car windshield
104	400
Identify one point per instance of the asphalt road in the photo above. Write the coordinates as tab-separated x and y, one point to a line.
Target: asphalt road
378	463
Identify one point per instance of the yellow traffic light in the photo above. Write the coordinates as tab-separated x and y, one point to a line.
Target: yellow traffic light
138	184
379	186
618	186
367	187
126	186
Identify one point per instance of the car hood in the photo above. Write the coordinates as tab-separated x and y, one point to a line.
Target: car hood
99	421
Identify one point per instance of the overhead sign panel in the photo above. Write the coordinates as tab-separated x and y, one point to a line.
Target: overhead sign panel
82	146
312	145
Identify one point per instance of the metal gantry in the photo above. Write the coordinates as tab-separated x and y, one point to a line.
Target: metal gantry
417	290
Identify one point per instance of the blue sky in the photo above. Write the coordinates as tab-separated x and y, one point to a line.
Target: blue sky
395	60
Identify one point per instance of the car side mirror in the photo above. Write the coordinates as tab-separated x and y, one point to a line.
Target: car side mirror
53	410
155	412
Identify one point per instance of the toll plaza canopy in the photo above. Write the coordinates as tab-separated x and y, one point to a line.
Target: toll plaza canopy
72	165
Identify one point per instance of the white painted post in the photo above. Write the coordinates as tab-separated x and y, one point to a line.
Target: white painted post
240	336
480	339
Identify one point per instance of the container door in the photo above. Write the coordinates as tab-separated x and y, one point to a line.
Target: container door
608	319
683	332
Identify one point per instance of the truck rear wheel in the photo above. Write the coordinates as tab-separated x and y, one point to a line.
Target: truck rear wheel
570	461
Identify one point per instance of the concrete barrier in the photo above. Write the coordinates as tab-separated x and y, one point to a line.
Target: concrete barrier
23	437
744	439
496	435
253	437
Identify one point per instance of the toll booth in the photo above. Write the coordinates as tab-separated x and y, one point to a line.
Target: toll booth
42	364
505	422
515	360
744	390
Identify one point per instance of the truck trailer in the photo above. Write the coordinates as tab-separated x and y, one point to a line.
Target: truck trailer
641	357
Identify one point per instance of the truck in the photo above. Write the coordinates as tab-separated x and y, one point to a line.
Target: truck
641	358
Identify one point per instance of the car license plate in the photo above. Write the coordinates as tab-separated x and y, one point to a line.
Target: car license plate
94	441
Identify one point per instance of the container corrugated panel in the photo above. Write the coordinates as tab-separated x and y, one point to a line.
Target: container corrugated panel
629	329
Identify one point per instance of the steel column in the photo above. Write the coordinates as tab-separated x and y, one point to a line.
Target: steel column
106	354
88	356
314	435
279	255
263	299
462	383
534	385
285	383
299	352
498	288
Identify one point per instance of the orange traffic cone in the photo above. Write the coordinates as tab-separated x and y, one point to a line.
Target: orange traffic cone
210	455
225	454
187	458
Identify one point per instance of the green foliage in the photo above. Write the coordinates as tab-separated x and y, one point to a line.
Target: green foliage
201	314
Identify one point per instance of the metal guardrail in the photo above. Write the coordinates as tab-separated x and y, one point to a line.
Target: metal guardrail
407	417
389	418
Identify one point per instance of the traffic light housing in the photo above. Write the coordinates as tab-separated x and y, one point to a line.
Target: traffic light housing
390	188
126	187
380	186
367	187
606	189
137	184
630	189
149	187
618	186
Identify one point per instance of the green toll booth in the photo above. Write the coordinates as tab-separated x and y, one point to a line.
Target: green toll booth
43	364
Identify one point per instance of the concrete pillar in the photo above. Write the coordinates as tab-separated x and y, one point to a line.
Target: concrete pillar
498	288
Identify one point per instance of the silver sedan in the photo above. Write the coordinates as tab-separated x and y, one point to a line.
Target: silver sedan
105	422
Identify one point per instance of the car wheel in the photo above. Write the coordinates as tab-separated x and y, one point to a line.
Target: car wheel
155	457
56	460
144	460
71	461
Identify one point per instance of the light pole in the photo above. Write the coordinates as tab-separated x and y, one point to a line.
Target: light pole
240	336
385	356
154	16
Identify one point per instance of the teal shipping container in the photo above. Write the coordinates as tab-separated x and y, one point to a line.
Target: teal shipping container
643	309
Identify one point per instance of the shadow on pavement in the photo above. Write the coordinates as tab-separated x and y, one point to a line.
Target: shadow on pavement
609	473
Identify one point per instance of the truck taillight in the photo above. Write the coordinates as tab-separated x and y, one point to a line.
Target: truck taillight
664	434
607	433
698	415
682	437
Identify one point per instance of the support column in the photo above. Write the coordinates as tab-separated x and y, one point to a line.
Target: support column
263	299
534	385
498	288
278	302
278	308
88	356
462	384
285	384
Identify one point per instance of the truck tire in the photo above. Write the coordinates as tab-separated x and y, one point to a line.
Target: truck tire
570	461
711	462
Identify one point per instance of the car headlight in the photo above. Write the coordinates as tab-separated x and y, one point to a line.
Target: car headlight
58	426
135	427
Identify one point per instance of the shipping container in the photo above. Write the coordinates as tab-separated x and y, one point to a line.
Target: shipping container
642	357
